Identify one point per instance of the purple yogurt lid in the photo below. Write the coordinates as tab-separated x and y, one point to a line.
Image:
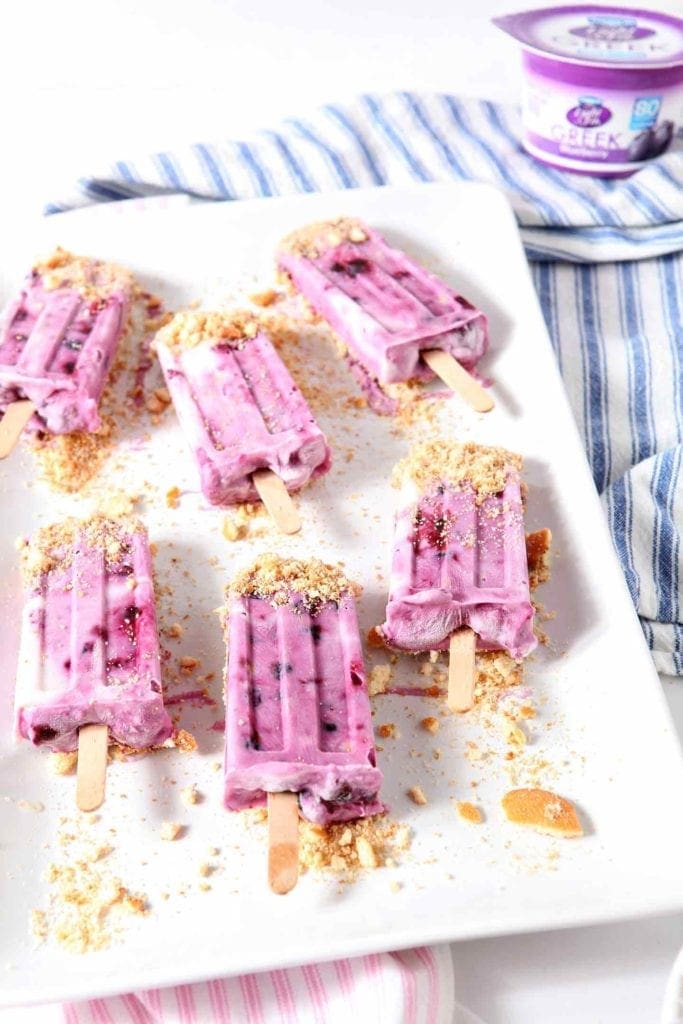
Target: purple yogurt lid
599	35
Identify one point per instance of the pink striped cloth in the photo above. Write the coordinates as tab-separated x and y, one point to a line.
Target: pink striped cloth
414	986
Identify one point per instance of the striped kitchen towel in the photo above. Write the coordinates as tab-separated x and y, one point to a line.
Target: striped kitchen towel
606	261
411	987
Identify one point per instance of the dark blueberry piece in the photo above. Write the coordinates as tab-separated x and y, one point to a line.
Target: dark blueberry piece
661	138
73	344
131	613
316	632
155	686
101	632
343	795
20	315
43	733
329	727
281	668
88	647
255	698
352	267
67	664
252	743
640	147
357	677
400	274
69	367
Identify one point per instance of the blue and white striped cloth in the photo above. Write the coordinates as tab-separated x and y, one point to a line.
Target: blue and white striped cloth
606	262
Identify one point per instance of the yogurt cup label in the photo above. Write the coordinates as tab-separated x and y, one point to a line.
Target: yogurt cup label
603	86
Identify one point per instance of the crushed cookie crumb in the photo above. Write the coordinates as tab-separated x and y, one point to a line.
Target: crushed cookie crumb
265	298
171	830
275	579
189	329
347	847
430	723
188	664
469	812
63	763
543	811
173	497
416	794
481	467
190	795
379	678
387	731
538	557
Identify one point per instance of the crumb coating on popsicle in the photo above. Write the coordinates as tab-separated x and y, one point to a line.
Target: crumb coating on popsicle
277	579
52	546
93	279
484	468
191	328
313	239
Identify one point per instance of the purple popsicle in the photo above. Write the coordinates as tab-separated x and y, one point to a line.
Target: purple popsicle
89	648
298	714
58	340
459	554
389	312
239	407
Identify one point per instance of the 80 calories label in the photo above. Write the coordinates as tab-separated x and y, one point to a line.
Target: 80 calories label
612	127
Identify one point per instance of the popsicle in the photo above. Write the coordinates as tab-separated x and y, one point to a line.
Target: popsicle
57	343
250	429
396	320
459	576
89	667
298	727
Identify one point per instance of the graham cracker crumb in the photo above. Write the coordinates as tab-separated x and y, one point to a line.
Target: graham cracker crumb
416	794
483	468
538	557
276	579
52	547
184	741
367	858
63	763
375	638
175	631
188	329
347	847
173	497
190	795
313	239
171	830
379	679
265	298
188	664
92	278
387	731
469	812
543	811
430	723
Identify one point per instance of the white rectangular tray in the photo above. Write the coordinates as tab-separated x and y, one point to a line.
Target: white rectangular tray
603	728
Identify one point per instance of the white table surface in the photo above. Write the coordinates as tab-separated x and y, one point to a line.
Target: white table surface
88	82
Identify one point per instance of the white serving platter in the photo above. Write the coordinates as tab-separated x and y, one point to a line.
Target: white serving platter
603	736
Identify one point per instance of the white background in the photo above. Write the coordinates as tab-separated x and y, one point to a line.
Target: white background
85	82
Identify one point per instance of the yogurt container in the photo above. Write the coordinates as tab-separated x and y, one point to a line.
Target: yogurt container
603	86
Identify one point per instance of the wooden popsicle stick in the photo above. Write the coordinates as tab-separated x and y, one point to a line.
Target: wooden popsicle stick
461	669
275	497
283	841
12	423
458	379
91	772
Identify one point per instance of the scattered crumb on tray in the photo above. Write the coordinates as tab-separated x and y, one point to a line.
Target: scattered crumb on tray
63	763
347	847
173	497
190	795
430	723
171	830
542	811
417	795
469	812
538	557
85	901
379	678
